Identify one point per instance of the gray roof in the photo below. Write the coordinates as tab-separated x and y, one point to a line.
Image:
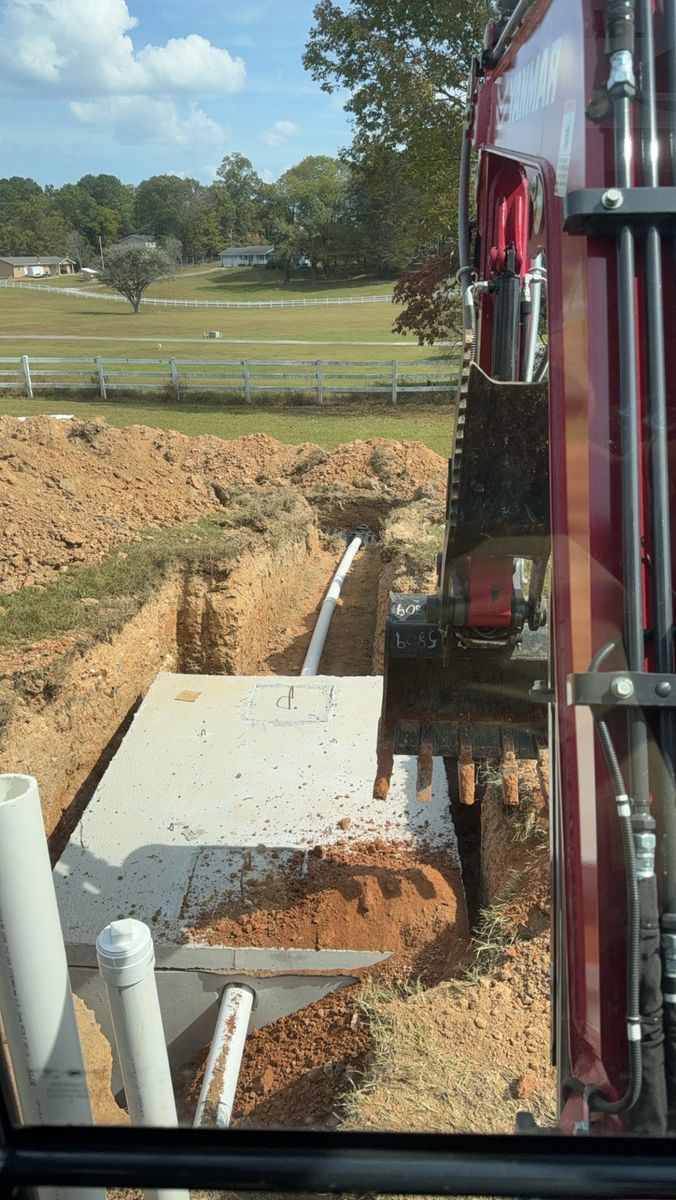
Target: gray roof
136	239
248	250
34	260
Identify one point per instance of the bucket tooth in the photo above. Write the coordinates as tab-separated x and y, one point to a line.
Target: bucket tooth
424	776
466	772
509	771
383	772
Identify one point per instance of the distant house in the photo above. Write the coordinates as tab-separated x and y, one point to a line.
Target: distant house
246	256
35	266
135	239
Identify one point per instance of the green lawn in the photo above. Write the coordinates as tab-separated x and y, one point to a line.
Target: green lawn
209	282
328	427
45	324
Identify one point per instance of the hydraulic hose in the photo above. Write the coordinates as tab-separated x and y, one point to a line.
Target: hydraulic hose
464	258
661	563
597	1100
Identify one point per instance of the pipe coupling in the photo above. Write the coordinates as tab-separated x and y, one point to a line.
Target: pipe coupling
645	845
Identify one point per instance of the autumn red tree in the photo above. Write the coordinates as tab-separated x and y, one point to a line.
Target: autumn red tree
429	295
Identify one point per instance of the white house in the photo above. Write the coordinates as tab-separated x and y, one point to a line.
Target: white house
246	256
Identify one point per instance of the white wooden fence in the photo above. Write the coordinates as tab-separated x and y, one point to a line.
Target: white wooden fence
177	378
153	301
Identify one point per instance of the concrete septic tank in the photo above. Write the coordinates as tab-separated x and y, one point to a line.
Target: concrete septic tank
221	784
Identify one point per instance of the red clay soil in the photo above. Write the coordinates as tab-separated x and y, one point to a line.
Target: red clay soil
368	897
294	1070
69	490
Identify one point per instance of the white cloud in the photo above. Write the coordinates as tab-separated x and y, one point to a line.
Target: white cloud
82	48
191	64
281	130
140	120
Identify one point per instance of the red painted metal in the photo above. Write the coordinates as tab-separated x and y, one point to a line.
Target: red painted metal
490	592
530	121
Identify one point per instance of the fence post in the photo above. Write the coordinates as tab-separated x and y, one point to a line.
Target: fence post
394	381
27	376
247	380
320	381
102	378
174	377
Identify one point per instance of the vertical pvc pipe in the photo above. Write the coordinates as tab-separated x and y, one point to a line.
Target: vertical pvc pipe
314	653
35	997
221	1073
126	959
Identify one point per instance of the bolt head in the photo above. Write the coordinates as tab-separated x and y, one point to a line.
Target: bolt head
612	198
622	687
663	688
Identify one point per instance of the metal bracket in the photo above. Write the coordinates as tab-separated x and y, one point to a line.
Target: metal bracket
542	692
622	689
603	210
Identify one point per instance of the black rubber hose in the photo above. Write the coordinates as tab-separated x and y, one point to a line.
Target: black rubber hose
597	1100
620	25
658	1017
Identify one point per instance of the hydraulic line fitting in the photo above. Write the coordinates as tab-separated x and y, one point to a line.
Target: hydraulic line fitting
621	71
645	845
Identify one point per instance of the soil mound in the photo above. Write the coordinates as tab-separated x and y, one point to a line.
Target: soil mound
375	896
69	490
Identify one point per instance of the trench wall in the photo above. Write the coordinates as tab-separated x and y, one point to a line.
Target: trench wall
222	623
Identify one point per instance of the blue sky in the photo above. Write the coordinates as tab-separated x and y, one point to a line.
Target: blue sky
141	87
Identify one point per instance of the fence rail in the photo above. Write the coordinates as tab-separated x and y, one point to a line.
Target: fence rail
247	377
156	302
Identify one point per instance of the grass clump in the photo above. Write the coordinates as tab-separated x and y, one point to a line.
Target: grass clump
96	601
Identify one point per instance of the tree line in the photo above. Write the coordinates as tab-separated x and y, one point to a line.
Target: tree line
328	211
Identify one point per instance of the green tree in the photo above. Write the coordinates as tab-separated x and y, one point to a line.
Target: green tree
313	197
110	193
242	187
131	270
36	226
168	206
404	64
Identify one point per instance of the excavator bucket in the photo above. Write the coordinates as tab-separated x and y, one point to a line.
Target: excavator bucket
465	706
452	689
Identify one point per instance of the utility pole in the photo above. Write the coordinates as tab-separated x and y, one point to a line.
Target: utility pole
101	253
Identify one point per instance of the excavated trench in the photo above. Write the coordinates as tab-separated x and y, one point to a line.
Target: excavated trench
258	619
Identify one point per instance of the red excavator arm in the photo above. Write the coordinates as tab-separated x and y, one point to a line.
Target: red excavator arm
563	440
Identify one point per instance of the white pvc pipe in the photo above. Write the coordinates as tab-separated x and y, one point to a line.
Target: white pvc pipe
225	1058
314	654
126	958
35	997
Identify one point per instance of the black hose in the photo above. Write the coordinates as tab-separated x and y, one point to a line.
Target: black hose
619	26
464	254
597	1100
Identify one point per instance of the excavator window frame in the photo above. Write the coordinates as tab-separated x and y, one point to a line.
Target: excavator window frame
533	1164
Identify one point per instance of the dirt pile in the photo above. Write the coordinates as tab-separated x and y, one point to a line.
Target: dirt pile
69	490
374	896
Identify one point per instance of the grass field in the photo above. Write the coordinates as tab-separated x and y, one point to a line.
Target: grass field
328	427
213	282
62	326
51	325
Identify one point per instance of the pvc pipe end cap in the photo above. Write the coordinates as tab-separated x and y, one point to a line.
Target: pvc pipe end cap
17	787
125	943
